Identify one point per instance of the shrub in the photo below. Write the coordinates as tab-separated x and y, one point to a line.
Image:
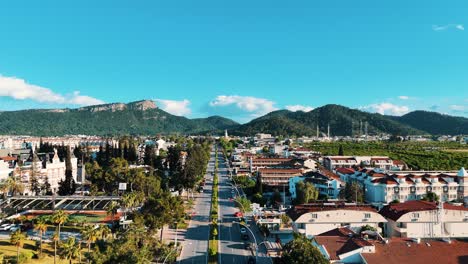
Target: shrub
25	256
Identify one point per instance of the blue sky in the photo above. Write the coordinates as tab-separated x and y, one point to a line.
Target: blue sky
239	59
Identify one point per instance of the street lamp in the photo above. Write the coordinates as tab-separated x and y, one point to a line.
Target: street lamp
253	235
168	255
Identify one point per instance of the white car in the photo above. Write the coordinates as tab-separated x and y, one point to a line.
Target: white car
5	227
14	228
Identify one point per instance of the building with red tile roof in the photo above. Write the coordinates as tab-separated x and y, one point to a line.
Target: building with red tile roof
400	251
423	219
317	218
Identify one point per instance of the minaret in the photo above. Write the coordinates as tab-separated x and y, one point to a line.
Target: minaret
317	131
463	185
225	133
328	134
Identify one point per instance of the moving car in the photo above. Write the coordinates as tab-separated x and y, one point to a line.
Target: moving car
238	214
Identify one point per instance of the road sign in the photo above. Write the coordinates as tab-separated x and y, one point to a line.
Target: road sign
122	186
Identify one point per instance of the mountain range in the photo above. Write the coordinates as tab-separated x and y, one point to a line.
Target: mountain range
145	118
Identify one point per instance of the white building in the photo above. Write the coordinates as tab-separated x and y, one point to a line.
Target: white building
381	162
53	169
383	187
314	219
422	219
6	168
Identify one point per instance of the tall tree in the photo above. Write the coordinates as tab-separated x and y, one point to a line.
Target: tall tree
45	187
341	151
67	186
17	238
40	226
305	192
353	192
59	218
70	249
34	185
300	250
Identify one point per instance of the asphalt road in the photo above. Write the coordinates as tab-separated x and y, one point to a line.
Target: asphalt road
232	248
195	246
231	244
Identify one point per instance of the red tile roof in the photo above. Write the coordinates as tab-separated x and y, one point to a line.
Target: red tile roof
298	210
398	252
7	158
270	170
345	170
397	210
340	241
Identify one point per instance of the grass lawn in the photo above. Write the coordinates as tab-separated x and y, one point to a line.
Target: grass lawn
9	251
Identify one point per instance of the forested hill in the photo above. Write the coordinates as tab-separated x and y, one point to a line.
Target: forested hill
145	118
435	123
138	118
345	121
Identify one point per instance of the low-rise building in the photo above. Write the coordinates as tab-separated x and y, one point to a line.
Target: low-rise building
277	177
422	219
317	218
257	163
380	162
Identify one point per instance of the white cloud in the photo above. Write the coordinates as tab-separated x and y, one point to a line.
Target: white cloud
387	109
448	26
457	107
403	97
296	108
19	89
179	108
253	105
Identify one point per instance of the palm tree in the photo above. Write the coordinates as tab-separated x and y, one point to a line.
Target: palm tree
70	250
128	201
59	217
90	235
40	226
112	210
56	238
17	238
11	185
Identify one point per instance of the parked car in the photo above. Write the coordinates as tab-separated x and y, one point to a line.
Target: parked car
251	260
238	214
6	227
243	230
14	228
245	237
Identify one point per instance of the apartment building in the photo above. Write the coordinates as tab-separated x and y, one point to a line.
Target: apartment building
277	177
383	187
257	163
317	218
380	162
422	219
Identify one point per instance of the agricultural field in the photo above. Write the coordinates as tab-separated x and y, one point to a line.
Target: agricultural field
417	155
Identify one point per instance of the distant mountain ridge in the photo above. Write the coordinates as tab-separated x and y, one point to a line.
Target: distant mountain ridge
137	118
344	121
145	118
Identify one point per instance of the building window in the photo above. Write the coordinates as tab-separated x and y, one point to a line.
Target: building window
415	215
367	215
315	216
